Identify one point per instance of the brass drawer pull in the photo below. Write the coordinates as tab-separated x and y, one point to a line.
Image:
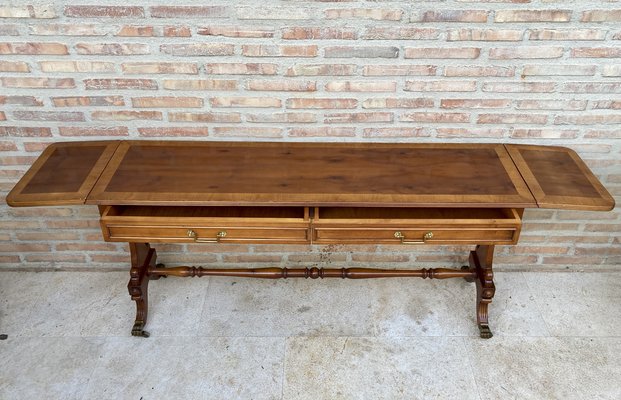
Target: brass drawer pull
194	236
426	236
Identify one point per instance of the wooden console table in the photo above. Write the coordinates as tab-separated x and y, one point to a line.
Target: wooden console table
306	193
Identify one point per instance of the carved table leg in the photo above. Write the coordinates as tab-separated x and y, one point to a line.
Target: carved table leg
142	258
481	259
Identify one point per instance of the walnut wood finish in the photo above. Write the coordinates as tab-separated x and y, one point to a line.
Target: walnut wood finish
142	259
63	174
311	174
481	261
314	272
558	178
218	192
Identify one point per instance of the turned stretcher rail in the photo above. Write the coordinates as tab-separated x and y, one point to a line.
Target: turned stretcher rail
313	272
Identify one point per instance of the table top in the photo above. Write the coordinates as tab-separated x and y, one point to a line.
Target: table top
145	172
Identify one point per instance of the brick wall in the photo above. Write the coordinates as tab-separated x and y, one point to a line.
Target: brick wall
523	71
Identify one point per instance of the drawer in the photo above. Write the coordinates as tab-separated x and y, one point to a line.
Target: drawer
408	235
205	224
205	234
415	225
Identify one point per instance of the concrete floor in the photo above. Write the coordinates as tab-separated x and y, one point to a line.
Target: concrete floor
557	336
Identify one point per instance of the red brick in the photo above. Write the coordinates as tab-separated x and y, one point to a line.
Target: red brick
2	116
281	85
377	14
603	134
259	50
83	247
362	117
525	52
452	16
241	131
361	52
21	100
200	84
236	31
532	16
566	34
252	258
9	30
28	11
136	31
318	103
57	258
470	133
70	30
112	49
596	52
21	131
591	87
607	104
93	131
465	70
400	33
440	86
277	12
136	84
125	115
434	117
601	16
611	70
289	117
475	103
204	117
571	105
189	11
81	101
321	70
32	48
173	131
37	147
14	66
24	247
300	33
512	119
570	70
262	102
588	119
160	68
399	70
198	49
76	66
177	31
92	11
361	86
241	69
394	132
48	116
518	87
398	103
508	35
322	132
167	102
444	53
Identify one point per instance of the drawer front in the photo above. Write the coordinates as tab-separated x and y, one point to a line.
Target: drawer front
202	234
400	235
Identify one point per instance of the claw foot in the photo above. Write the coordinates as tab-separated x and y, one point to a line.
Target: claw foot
138	331
486	333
